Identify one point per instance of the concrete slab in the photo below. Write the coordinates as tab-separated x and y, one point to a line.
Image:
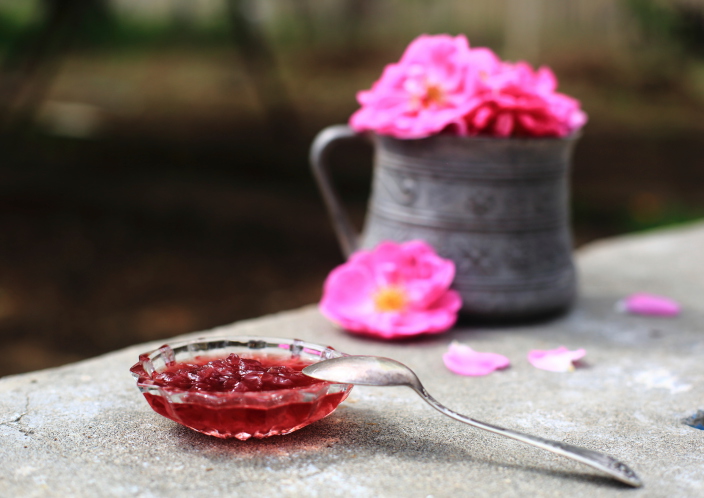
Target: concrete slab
84	429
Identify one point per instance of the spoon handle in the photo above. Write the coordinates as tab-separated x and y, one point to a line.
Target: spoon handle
605	463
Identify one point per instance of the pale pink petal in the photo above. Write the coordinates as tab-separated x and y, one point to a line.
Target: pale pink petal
346	294
484	61
650	304
546	82
463	360
555	360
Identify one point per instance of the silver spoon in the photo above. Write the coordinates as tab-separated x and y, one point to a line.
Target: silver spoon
378	371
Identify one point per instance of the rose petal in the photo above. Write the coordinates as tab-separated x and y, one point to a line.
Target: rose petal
555	360
649	304
463	360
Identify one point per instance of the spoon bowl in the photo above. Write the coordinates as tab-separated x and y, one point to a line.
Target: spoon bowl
379	371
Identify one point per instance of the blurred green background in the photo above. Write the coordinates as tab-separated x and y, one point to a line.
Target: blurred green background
154	177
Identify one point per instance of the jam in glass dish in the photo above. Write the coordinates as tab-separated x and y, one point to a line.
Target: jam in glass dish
238	387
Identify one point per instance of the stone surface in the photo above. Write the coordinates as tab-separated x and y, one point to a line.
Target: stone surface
84	429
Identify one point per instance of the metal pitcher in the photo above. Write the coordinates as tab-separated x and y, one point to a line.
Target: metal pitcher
499	208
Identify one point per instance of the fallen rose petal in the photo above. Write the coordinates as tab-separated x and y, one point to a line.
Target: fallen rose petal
555	360
463	360
649	304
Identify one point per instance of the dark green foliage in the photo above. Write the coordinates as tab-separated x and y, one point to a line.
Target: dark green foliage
678	24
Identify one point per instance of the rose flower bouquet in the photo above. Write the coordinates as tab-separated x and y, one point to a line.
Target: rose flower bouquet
441	86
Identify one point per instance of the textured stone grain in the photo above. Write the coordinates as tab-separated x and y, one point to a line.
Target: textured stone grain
84	430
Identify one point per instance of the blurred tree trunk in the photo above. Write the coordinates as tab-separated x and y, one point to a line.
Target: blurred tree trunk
28	70
260	62
305	15
355	13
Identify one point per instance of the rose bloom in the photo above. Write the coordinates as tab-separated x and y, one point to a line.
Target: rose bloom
514	100
393	291
428	90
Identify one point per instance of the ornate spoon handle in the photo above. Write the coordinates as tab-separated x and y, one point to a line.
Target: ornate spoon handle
600	461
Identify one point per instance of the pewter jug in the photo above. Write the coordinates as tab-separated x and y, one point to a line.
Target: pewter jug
498	207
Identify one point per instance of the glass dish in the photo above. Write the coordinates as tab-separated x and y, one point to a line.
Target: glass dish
240	415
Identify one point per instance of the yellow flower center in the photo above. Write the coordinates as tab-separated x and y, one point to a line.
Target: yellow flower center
434	94
390	299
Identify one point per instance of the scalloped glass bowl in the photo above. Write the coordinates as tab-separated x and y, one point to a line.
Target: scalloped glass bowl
240	415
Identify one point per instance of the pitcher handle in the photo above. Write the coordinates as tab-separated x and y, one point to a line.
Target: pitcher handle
347	236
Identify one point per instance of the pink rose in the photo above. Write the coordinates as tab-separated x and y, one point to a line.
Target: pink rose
395	290
515	100
421	95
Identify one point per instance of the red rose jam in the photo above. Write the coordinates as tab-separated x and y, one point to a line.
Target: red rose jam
239	397
235	374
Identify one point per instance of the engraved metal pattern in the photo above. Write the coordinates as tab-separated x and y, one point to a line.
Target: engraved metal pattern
401	188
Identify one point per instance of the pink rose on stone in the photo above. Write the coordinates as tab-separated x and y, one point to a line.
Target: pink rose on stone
441	85
392	291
